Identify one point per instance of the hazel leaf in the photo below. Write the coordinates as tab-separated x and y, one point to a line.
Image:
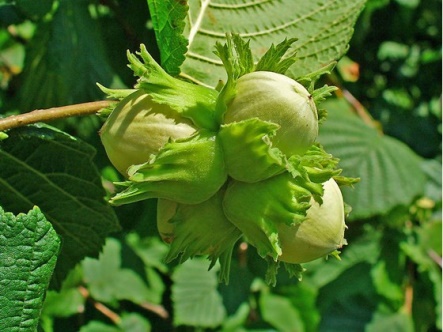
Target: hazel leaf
196	301
42	166
322	28
168	23
28	251
188	171
248	150
391	172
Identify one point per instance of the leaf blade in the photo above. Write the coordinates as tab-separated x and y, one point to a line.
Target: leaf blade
323	30
28	252
168	22
195	297
390	172
48	168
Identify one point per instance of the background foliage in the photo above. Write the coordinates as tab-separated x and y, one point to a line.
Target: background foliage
384	124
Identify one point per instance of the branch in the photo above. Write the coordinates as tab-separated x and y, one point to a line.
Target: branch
435	257
51	114
114	317
157	309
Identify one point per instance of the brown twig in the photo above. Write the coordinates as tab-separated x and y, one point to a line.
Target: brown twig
156	309
50	114
114	317
435	257
409	299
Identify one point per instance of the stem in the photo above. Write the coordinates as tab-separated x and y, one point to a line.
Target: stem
114	317
157	309
435	257
51	114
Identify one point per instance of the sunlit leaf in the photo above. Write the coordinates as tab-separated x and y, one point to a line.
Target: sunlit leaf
28	252
323	29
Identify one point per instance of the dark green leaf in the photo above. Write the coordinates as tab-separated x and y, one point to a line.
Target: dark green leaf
34	9
66	53
168	20
28	251
348	302
390	172
44	167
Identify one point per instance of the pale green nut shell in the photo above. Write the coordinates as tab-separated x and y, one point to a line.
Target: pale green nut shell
278	99
139	127
321	233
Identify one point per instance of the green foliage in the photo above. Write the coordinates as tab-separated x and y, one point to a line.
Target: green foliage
108	282
168	22
28	252
322	29
195	297
385	165
384	124
44	167
58	65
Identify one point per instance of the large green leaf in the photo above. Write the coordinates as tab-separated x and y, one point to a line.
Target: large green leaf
195	297
44	167
390	172
28	252
323	29
66	53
